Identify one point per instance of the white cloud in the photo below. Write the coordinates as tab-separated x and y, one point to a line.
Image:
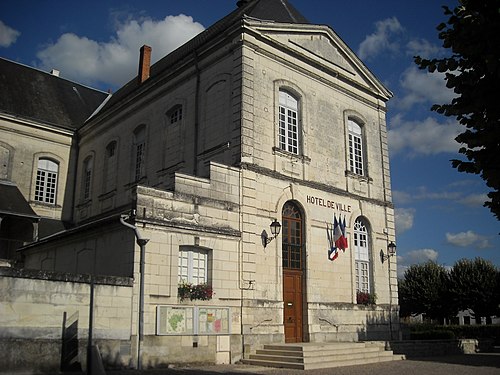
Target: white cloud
404	219
382	39
474	200
423	48
427	137
8	35
420	86
415	257
116	61
466	239
401	197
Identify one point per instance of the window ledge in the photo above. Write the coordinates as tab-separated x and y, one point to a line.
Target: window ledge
107	195
85	203
358	177
302	158
44	204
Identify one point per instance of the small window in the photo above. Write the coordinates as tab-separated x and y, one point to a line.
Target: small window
46	181
175	114
355	148
193	266
362	257
288	123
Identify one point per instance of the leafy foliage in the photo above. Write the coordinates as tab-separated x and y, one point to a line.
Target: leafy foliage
474	286
472	34
424	290
432	290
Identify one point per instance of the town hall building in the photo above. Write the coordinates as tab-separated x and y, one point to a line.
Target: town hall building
242	184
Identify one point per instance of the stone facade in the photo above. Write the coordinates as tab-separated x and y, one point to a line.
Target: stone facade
196	160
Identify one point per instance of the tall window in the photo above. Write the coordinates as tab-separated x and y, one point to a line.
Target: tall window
88	166
46	181
139	152
110	167
288	123
362	256
292	249
355	148
193	265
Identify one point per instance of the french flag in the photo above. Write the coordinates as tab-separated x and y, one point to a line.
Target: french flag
345	243
333	251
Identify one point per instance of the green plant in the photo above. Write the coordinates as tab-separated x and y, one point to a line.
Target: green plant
191	291
364	298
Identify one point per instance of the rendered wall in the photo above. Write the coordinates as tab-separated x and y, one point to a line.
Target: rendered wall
32	307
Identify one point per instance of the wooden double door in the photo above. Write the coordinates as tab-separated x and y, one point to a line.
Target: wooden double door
293	273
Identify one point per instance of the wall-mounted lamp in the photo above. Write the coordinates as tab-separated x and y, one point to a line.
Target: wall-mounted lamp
391	251
275	230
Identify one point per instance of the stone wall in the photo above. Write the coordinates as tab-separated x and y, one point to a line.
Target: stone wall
34	305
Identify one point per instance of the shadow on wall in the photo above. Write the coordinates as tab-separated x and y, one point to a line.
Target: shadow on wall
380	325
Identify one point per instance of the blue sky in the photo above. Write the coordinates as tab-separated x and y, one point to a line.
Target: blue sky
439	213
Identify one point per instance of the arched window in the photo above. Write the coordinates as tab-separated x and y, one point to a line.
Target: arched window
46	181
362	256
88	166
288	122
110	166
139	152
356	164
292	237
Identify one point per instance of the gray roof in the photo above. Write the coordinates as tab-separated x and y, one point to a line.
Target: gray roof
39	96
267	10
12	202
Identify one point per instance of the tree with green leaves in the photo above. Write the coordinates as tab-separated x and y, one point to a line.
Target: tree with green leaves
425	290
472	71
474	285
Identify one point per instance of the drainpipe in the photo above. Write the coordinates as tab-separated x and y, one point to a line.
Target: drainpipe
142	244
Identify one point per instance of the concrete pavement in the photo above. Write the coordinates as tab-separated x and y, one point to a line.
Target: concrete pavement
467	364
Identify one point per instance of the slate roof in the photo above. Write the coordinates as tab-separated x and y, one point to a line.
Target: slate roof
267	10
12	202
36	95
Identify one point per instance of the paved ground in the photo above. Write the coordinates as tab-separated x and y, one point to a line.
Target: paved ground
472	364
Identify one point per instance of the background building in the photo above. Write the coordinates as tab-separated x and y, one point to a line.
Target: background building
178	176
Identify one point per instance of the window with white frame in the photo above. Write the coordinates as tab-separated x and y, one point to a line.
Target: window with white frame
288	122
139	152
88	166
193	265
355	148
46	181
110	167
362	256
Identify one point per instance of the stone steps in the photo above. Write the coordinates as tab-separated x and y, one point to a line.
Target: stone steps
307	356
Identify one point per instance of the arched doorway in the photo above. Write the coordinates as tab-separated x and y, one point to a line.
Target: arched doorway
293	255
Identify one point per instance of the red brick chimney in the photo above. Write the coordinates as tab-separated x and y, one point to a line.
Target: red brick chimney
144	63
